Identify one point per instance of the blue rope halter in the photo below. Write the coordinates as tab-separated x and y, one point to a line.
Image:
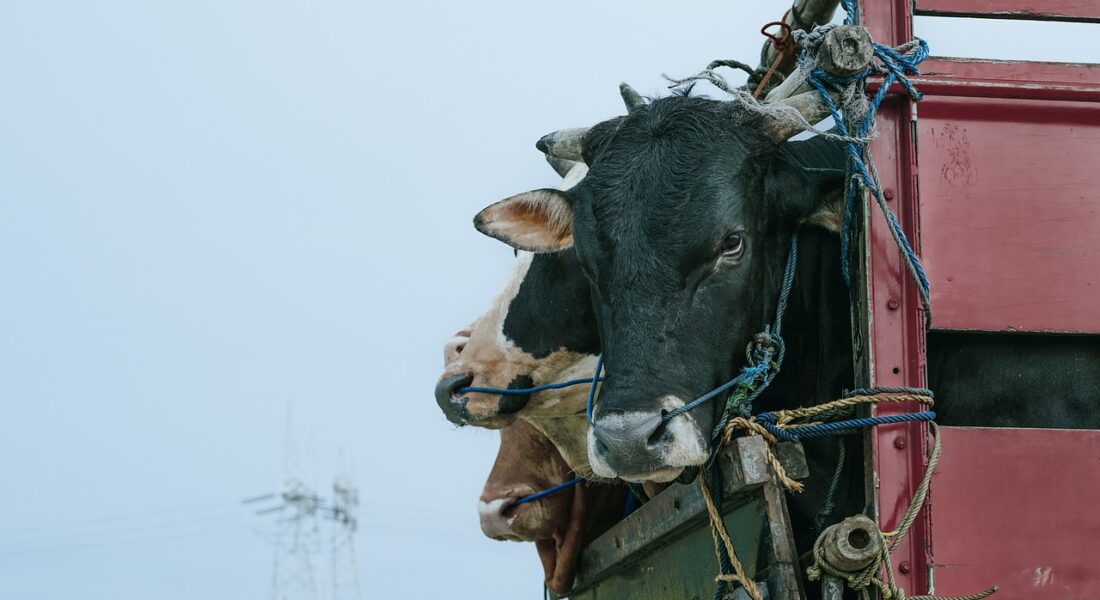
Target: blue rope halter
524	391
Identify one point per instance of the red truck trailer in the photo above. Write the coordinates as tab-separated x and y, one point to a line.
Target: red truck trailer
995	181
993	176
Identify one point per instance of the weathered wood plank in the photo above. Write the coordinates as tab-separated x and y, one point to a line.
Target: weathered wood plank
680	511
684	568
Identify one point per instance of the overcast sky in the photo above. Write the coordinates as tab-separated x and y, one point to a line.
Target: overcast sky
213	210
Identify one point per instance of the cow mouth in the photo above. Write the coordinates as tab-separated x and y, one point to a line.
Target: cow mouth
662	475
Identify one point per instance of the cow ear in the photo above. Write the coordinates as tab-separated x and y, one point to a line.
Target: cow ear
806	182
828	210
538	221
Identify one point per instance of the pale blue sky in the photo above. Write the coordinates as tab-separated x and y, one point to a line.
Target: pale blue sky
211	210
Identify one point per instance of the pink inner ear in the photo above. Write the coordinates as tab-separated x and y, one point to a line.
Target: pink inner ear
540	220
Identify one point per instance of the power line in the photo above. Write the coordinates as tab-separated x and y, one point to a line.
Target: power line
61	536
116	518
16	552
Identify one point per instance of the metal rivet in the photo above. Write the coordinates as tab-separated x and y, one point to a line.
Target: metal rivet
905	567
899	443
893	304
888	193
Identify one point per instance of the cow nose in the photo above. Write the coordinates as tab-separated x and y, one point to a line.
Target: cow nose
621	432
453	408
643	446
631	443
502	519
496	523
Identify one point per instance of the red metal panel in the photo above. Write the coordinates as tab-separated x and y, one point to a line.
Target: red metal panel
1010	207
1017	508
1030	80
895	334
1087	11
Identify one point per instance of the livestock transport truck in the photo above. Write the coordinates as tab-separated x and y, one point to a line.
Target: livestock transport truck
997	185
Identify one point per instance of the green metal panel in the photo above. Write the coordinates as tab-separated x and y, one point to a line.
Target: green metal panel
685	568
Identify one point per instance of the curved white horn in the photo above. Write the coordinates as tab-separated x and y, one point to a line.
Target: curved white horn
805	108
565	143
561	166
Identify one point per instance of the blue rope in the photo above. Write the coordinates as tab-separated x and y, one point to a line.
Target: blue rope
827	508
545	493
896	67
591	405
837	427
631	503
850	11
522	391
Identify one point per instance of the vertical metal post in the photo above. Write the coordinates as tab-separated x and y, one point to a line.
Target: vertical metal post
892	324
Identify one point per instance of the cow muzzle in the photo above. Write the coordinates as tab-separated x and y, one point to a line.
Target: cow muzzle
502	519
483	409
642	446
453	407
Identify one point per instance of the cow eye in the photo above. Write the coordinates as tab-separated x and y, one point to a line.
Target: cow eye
733	246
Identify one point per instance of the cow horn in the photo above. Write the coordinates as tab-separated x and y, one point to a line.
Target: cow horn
561	166
565	143
785	123
631	97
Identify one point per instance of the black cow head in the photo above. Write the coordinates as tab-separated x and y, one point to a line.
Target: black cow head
682	228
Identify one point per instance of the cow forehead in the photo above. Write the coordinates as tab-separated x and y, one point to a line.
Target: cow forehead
652	186
645	226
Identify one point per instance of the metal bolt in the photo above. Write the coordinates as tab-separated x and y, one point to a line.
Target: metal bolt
899	443
893	304
888	193
905	567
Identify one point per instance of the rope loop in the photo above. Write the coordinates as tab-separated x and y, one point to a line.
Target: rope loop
784	45
871	576
783	41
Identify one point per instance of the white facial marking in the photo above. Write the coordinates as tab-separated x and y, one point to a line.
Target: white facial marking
687	446
493	522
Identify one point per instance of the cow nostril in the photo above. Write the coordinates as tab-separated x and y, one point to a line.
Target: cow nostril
459	348
454	408
458	384
660	434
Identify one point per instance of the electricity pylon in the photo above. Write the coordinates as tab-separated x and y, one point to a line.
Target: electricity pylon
298	536
345	518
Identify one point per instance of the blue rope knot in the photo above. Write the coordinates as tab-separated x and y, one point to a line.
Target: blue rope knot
896	65
763	346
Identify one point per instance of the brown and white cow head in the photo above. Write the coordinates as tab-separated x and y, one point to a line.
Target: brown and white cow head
560	524
540	329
